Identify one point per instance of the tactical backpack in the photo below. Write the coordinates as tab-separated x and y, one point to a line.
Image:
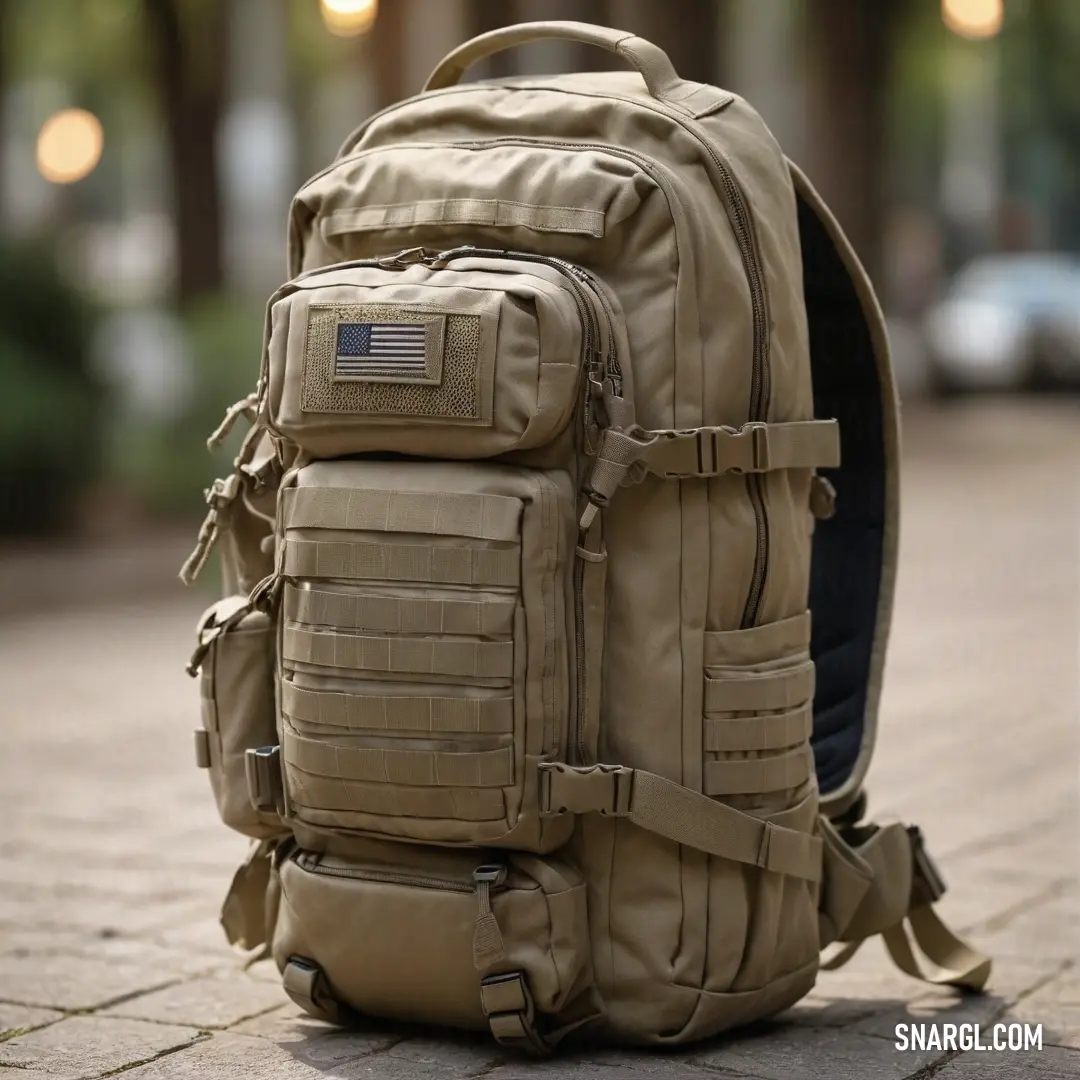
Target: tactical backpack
515	681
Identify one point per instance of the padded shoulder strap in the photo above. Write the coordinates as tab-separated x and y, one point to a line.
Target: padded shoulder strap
854	555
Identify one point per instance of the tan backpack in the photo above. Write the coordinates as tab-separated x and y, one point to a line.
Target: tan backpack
515	680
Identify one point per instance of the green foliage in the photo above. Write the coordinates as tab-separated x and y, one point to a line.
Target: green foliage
51	406
165	466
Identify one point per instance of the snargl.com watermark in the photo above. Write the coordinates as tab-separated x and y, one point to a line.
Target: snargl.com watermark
956	1037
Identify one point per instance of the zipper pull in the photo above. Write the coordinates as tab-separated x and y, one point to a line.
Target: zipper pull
246	407
404	258
219	497
487	937
440	261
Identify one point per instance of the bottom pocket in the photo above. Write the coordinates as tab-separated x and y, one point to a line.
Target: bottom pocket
406	933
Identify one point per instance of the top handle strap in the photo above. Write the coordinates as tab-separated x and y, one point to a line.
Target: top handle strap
652	62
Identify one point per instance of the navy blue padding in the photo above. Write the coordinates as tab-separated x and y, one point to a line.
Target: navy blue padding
845	575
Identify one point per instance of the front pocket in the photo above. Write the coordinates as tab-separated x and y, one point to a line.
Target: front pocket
396	929
757	726
472	360
425	649
235	664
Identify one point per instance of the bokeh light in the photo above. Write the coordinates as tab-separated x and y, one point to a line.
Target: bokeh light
69	146
974	19
349	18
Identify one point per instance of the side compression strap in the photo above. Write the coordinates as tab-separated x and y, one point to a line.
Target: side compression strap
698	453
684	816
887	884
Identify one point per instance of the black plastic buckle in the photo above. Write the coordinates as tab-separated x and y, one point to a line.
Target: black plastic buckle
927	884
265	788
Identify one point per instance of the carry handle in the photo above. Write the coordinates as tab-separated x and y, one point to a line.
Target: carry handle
651	61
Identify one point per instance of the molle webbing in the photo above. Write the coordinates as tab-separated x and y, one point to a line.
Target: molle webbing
399	614
759	732
416	656
480	716
402	562
483	517
413	768
760	691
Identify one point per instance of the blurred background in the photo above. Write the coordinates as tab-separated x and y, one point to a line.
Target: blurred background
149	149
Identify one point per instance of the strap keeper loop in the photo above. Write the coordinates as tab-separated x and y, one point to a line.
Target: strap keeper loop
759	447
766	843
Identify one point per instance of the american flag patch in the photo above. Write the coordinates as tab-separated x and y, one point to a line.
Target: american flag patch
381	350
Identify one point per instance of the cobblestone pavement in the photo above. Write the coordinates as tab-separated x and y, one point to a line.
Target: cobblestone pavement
112	862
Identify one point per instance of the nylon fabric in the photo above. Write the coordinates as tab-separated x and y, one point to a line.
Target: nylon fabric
415	768
759	732
759	691
401	562
416	656
398	713
322	800
484	517
748	776
400	615
520	496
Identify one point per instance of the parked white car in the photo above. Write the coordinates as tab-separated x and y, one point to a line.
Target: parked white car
1007	322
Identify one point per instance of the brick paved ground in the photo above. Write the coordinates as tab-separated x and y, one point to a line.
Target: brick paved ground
112	863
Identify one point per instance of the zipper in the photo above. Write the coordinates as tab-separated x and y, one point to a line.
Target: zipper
578	279
742	229
312	862
760	379
760	382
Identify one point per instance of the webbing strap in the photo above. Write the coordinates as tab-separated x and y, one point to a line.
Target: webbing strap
243	914
484	517
708	451
419	656
923	947
402	562
420	768
683	816
397	614
753	448
752	776
759	732
760	691
957	963
508	1005
893	884
397	714
784	639
321	799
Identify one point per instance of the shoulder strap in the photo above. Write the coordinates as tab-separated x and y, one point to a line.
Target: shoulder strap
854	553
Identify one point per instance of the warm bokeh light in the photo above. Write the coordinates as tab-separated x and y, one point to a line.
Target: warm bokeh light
69	146
349	17
975	19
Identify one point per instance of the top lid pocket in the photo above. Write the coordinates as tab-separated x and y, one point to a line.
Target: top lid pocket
471	360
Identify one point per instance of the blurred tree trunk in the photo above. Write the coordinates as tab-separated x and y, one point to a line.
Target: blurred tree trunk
687	30
488	15
851	47
188	46
386	46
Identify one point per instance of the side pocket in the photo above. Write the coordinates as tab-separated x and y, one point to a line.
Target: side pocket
759	690
405	933
234	662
